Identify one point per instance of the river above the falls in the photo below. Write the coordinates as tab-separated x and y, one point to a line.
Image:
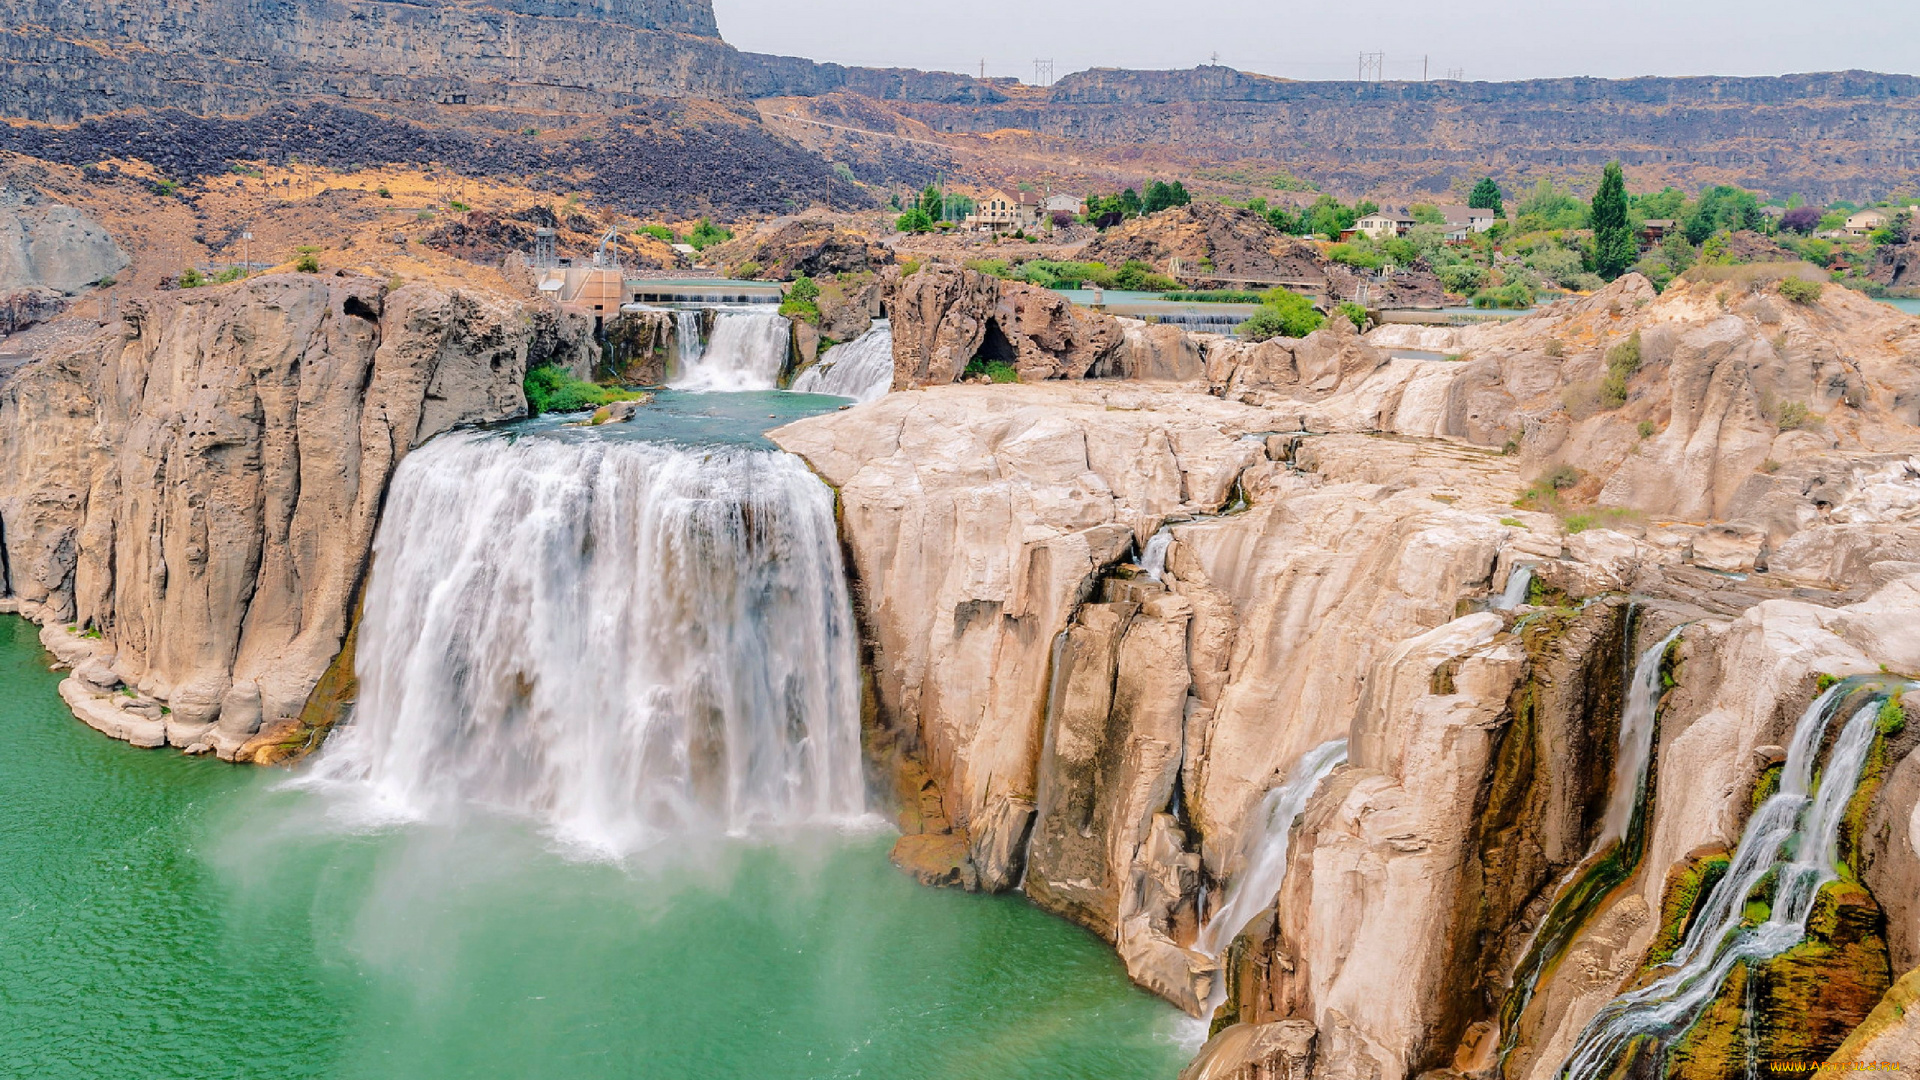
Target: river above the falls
171	916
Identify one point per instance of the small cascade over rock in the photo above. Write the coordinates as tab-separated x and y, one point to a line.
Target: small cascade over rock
1259	881
1616	852
689	338
861	369
1792	841
1519	582
1154	559
747	351
1629	793
628	641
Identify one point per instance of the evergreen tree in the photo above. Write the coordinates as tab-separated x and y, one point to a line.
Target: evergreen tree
1158	197
1614	249
1177	194
1486	196
1130	203
930	203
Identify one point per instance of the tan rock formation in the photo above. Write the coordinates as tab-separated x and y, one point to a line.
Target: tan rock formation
199	484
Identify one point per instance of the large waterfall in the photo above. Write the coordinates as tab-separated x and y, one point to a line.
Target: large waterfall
625	640
861	369
747	351
1792	839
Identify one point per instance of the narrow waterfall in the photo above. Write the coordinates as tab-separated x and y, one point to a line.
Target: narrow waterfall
627	641
1255	886
1635	748
688	340
861	369
1794	839
1616	851
1154	559
1519	581
747	352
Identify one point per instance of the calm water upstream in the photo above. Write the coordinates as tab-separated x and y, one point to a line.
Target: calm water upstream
162	916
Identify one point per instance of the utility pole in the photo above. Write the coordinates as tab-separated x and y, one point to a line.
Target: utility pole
1423	69
983	69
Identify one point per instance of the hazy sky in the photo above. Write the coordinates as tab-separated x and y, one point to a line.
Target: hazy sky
1497	40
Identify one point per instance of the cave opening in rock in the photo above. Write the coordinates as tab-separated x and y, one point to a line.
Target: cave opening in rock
995	348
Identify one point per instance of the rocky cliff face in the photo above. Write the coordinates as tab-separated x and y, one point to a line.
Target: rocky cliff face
1101	714
190	497
1826	134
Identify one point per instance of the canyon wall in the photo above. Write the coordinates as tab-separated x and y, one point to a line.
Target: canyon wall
189	497
1108	618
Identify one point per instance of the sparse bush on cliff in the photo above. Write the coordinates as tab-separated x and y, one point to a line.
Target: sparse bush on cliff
307	264
1622	361
1355	313
1801	291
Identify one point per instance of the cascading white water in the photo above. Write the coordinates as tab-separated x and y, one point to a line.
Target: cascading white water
1636	741
1795	836
627	641
1154	559
1519	581
746	352
1255	886
861	369
687	339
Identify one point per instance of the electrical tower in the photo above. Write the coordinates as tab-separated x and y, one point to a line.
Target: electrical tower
1456	74
1043	73
1373	63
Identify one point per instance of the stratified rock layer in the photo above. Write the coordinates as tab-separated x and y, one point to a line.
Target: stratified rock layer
197	487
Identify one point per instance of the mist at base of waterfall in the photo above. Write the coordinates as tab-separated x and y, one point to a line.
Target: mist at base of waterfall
168	916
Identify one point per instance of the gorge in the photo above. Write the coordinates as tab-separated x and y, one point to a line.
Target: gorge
1240	656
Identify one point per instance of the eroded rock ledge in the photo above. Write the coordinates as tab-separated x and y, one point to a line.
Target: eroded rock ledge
188	501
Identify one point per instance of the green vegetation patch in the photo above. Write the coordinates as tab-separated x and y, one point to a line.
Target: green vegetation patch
551	389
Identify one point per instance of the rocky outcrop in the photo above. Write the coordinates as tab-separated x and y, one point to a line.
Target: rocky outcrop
189	498
945	317
1212	243
1897	265
46	245
28	307
1335	518
816	248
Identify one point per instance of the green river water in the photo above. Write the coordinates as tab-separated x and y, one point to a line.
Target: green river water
168	917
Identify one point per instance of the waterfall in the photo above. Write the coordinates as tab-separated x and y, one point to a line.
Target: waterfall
627	641
687	339
1519	580
1255	886
747	352
1636	741
1154	559
861	369
1794	839
1615	852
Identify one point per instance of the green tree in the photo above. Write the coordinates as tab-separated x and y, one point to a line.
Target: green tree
1486	196
914	221
1159	196
1724	208
930	203
1177	192
706	234
1614	249
1130	203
